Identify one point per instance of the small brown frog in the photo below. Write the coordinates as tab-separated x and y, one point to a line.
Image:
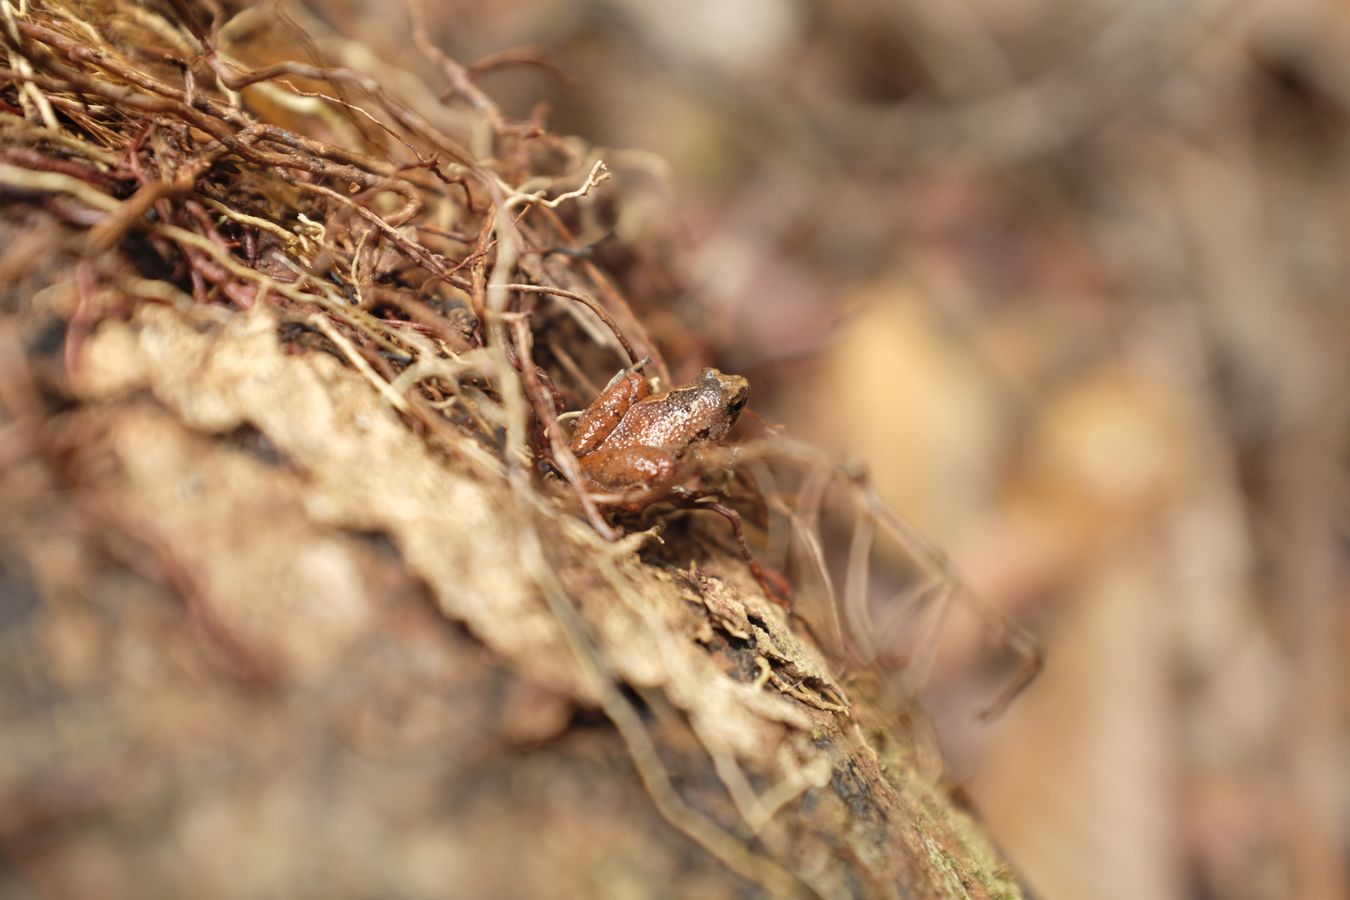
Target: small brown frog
632	444
629	439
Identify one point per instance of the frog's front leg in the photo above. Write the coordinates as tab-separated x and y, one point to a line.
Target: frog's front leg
648	470
603	415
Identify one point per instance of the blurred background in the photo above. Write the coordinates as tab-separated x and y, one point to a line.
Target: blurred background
1071	278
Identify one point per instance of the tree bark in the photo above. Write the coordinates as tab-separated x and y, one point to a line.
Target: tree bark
308	651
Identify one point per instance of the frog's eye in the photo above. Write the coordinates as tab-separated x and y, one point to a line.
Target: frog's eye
735	406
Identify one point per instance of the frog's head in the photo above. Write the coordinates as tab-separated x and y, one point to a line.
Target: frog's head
731	392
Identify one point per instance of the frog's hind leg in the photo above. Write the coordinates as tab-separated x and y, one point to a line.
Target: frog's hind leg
645	472
605	413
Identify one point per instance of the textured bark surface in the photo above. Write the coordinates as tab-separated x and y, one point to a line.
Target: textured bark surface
260	638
